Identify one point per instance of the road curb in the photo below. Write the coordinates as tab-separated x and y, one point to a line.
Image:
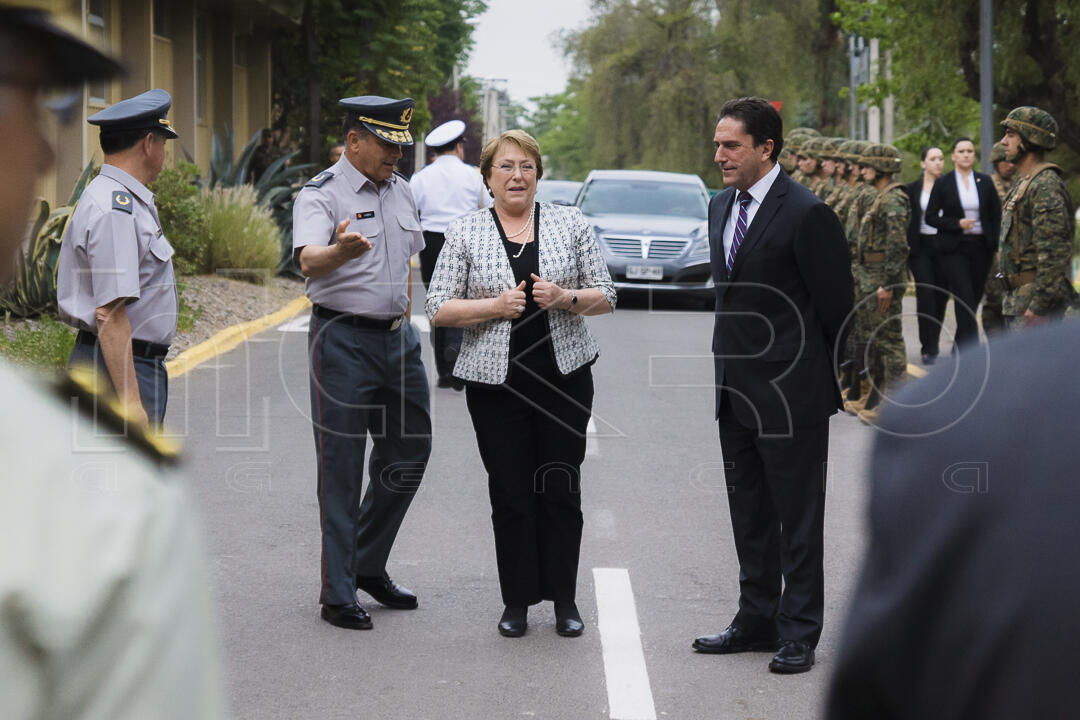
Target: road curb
230	337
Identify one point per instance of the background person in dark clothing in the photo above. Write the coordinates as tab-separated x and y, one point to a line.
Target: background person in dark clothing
930	298
965	209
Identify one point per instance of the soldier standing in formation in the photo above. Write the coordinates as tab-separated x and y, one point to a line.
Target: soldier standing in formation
797	137
1003	176
810	163
366	373
880	272
115	281
445	190
1037	225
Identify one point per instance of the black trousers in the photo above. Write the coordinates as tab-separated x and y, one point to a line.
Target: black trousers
445	341
150	375
964	273
776	495
531	435
930	294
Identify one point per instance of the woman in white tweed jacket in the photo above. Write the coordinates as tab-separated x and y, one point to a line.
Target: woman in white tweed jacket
519	277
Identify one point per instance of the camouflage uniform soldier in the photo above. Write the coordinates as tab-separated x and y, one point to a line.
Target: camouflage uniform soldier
793	143
810	163
831	164
1004	174
844	169
1036	226
880	276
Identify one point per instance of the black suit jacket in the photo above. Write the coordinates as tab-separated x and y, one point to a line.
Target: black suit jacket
945	212
784	311
966	604
914	237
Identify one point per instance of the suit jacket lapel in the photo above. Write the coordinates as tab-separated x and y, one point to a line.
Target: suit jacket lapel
764	215
716	233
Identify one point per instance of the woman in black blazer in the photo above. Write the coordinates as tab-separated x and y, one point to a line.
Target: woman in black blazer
965	209
930	298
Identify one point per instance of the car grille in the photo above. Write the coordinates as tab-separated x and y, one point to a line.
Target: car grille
658	249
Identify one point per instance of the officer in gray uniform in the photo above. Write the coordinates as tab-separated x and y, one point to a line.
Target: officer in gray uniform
115	281
355	230
103	582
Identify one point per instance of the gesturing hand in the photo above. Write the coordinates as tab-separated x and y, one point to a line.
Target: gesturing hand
350	244
548	294
511	303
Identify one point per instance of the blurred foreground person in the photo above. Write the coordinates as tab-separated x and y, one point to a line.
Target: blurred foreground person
103	586
966	606
519	277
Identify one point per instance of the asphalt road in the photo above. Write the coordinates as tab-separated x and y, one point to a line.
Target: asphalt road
654	506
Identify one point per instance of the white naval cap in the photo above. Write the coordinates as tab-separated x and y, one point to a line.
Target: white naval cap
445	134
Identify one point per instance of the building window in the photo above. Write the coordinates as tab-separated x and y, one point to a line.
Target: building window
162	26
241	50
96	19
202	41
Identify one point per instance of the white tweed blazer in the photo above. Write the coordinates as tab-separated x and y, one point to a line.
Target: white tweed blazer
473	265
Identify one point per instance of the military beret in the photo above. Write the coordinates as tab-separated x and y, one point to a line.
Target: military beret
146	110
387	118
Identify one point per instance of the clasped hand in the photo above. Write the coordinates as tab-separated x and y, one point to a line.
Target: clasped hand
511	303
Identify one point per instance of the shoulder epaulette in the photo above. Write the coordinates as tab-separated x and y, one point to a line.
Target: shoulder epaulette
95	400
319	180
122	201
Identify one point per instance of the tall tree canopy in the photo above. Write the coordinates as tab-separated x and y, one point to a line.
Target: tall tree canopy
395	48
935	63
652	74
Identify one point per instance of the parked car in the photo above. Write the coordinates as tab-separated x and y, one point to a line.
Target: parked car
652	228
560	192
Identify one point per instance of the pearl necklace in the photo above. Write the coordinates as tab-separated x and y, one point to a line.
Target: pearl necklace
528	224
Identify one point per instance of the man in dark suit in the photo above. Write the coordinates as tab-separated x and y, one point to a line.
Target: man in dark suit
966	604
783	297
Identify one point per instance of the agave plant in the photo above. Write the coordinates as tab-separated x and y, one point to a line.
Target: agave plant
32	290
272	185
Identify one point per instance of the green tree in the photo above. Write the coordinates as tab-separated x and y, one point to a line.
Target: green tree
394	48
935	63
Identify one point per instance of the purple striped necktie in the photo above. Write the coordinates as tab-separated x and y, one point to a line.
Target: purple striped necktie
740	228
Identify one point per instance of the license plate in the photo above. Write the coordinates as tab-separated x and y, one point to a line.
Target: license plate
644	272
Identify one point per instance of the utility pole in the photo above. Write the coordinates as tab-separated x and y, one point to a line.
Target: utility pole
986	83
873	113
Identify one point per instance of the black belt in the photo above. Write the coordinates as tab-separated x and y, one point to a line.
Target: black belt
358	321
141	348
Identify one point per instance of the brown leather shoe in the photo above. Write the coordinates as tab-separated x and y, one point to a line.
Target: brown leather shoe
735	640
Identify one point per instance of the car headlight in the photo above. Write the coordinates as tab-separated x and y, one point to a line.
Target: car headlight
700	247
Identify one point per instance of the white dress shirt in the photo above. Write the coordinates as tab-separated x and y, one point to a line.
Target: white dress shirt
924	229
969	200
757	191
446	190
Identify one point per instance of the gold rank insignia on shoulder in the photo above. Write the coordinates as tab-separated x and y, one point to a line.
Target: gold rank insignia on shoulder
121	201
365	215
94	398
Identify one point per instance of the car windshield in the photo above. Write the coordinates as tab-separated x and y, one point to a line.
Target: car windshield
557	190
644	197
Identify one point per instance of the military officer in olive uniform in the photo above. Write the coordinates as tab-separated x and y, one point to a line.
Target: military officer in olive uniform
1004	174
355	230
103	581
115	281
1036	226
880	272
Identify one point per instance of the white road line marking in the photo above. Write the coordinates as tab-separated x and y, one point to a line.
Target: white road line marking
591	448
297	324
629	694
421	323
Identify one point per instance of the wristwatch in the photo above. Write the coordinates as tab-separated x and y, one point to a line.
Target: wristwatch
573	299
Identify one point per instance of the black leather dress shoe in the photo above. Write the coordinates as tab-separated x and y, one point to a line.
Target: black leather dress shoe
735	640
387	592
568	620
794	657
513	622
352	616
